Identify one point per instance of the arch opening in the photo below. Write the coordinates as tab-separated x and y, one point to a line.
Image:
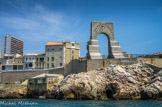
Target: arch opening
103	42
30	65
109	94
113	47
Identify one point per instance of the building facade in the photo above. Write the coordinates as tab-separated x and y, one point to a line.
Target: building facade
1	59
18	63
40	61
71	51
10	62
30	61
60	54
0	55
41	83
11	46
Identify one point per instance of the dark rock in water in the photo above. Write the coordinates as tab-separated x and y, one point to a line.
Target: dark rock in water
114	82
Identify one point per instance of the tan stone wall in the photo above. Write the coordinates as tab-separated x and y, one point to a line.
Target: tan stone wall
77	45
68	44
76	53
75	66
101	63
68	55
154	61
72	52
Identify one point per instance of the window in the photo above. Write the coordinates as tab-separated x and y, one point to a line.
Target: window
60	64
53	48
30	65
53	52
29	58
73	44
20	67
48	59
60	47
3	62
48	65
9	68
47	48
72	51
60	58
53	65
61	52
48	53
41	59
40	81
72	56
26	59
52	58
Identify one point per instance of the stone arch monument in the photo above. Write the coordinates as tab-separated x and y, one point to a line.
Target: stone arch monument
114	48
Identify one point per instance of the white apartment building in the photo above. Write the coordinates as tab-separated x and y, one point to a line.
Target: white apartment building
30	61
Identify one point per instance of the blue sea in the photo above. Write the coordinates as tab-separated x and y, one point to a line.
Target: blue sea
77	103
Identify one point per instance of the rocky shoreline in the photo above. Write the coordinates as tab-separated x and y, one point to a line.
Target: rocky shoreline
114	82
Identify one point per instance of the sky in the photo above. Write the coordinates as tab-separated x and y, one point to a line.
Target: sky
137	23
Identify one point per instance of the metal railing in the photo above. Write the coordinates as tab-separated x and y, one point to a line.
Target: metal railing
128	56
45	69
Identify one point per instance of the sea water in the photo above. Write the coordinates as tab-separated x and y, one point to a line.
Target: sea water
78	103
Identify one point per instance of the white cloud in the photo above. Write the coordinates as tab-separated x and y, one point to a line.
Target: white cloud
38	24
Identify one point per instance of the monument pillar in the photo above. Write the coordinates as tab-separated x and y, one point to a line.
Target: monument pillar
106	28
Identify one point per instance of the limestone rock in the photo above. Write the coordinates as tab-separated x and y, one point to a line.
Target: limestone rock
113	82
13	91
154	90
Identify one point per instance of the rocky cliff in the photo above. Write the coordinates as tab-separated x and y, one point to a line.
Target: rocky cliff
154	90
114	82
13	91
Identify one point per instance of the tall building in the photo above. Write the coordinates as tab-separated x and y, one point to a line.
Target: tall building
11	46
60	54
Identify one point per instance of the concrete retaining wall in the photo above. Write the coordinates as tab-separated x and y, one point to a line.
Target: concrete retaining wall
100	63
154	61
12	77
75	66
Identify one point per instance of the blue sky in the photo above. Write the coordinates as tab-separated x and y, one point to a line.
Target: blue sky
137	23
